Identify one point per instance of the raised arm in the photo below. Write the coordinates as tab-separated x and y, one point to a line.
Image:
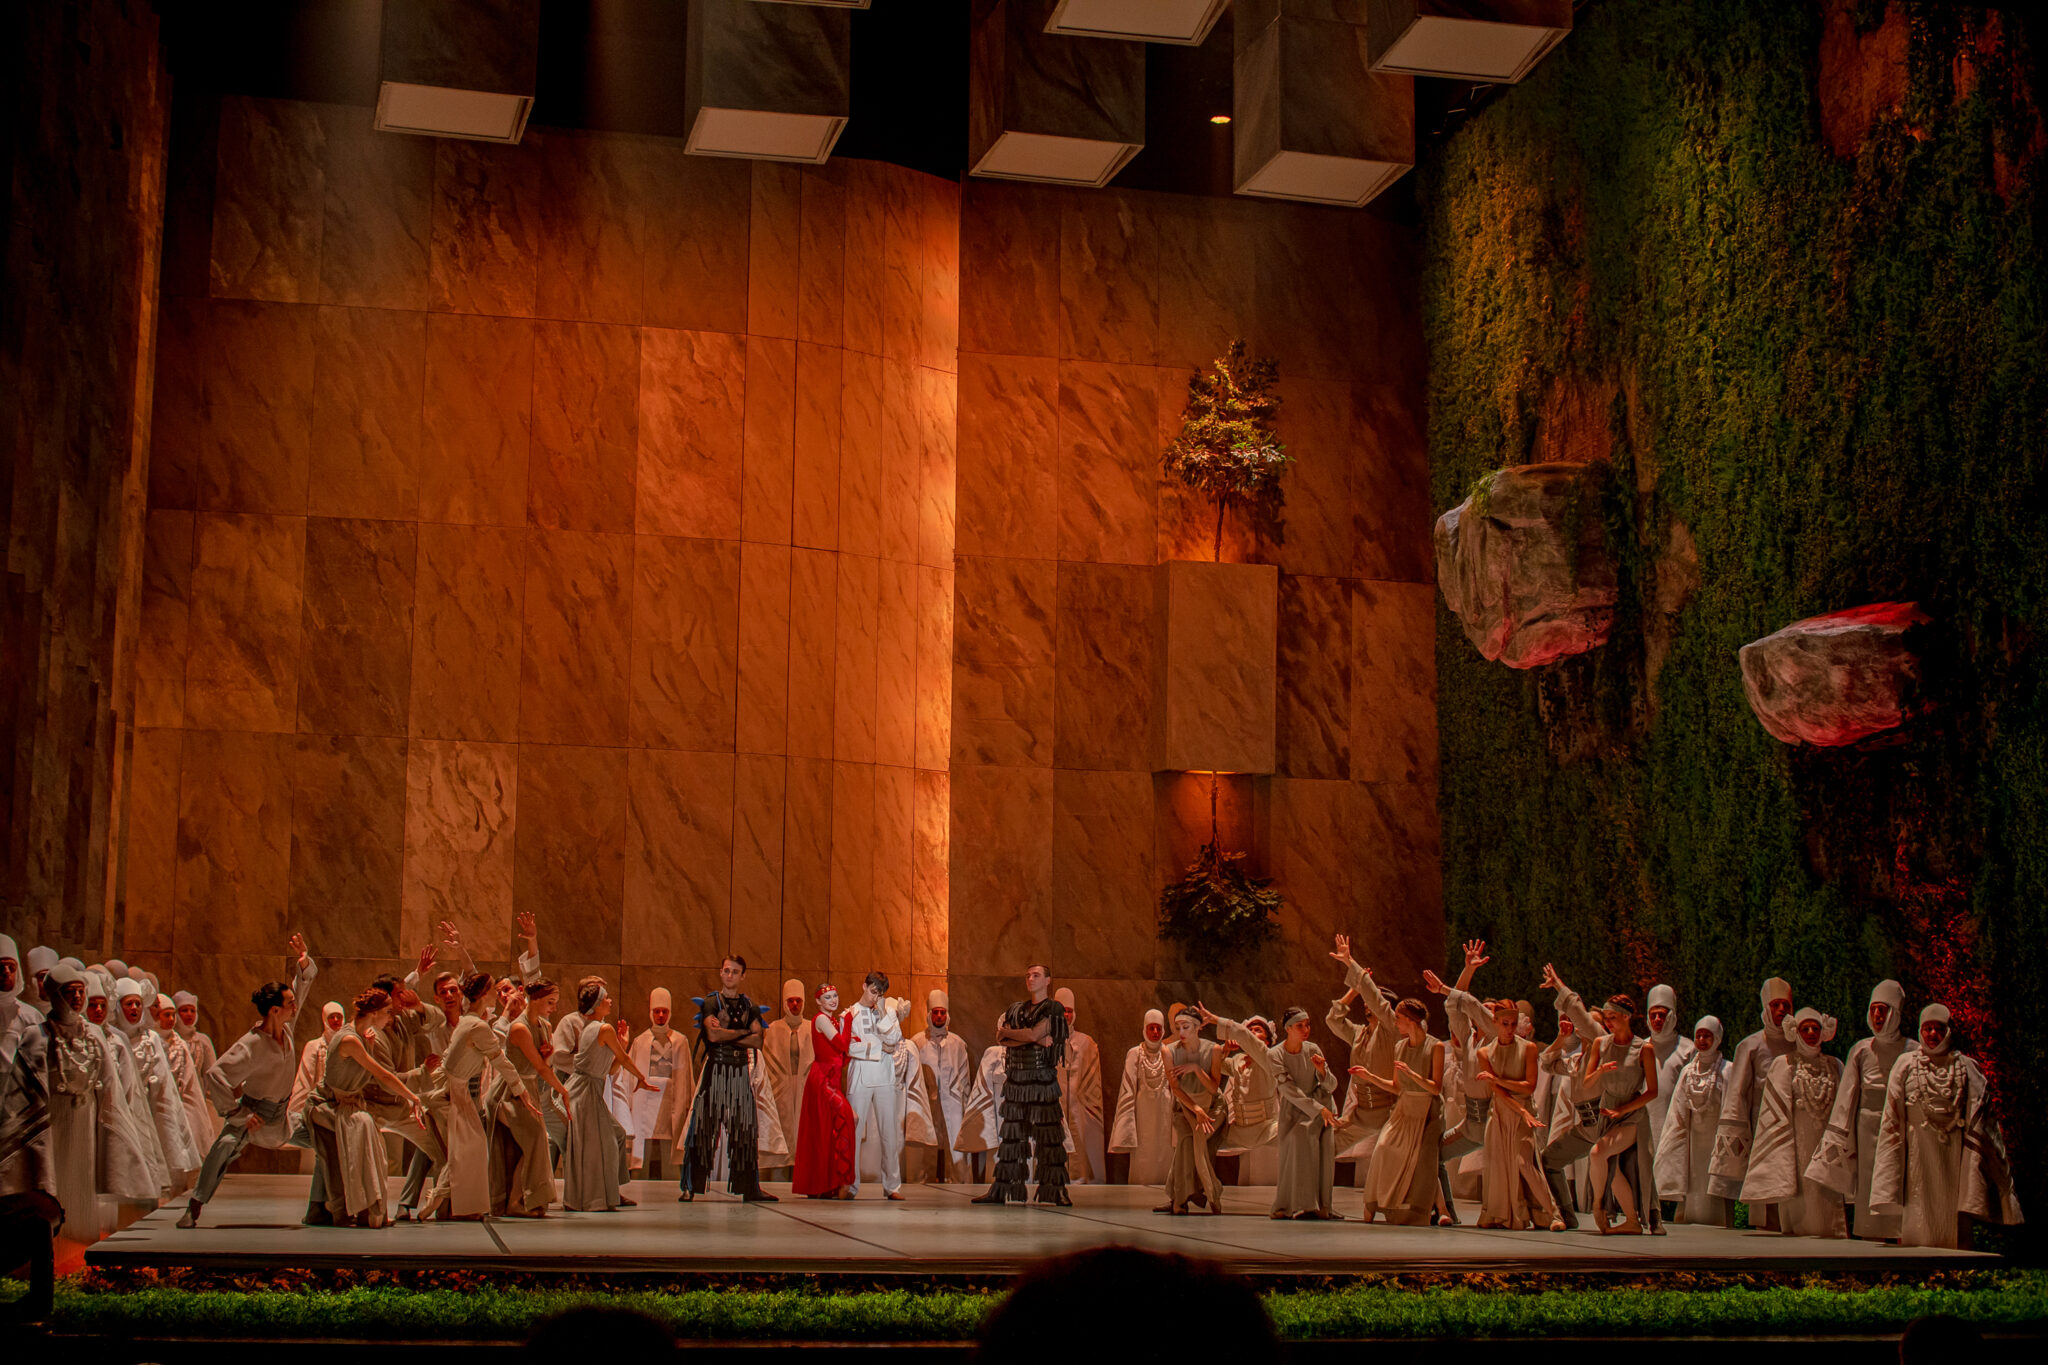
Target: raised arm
609	1036
1231	1031
529	953
352	1047
1570	1006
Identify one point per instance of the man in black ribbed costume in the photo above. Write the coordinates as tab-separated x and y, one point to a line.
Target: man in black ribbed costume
1034	1034
728	1033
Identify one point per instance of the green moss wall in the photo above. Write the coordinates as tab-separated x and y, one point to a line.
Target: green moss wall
1821	377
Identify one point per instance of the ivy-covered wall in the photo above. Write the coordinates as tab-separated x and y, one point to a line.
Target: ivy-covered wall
1782	264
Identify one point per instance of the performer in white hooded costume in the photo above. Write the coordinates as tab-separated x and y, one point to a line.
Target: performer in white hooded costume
1144	1107
1940	1155
1081	1098
1685	1147
79	1100
166	1105
312	1062
131	1102
26	1161
199	1115
1744	1091
662	1052
1848	1153
1673	1049
949	1080
786	1051
204	1054
1797	1097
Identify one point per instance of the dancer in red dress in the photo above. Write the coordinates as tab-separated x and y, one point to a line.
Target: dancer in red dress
825	1134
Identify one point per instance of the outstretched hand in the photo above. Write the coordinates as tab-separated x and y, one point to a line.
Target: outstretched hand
1551	980
1475	952
1434	982
1207	1015
1343	951
427	958
297	947
524	919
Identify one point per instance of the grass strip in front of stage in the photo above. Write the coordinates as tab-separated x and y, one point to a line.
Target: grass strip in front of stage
458	1307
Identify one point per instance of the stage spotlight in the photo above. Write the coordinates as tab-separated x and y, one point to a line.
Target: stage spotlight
458	68
1183	22
1044	106
769	80
1219	118
1475	40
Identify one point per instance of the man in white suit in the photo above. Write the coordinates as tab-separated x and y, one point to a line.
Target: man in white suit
871	1081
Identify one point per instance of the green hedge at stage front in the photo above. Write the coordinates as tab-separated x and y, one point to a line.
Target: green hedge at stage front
1829	374
1451	1306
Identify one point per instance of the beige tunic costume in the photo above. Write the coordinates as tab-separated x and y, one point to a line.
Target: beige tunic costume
463	1182
1193	1172
1939	1151
1144	1110
1509	1176
1251	1095
1371	1046
1848	1153
345	1134
1308	1146
1400	1184
1797	1097
1685	1147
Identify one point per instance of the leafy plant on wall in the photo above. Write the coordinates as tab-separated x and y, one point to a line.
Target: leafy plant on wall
1216	911
1229	452
1227	449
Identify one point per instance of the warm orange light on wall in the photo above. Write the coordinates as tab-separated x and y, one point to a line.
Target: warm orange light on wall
1219	118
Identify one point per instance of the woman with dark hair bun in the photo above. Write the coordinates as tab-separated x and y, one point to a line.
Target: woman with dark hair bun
522	1163
462	1186
597	1159
346	1144
1400	1182
1618	1071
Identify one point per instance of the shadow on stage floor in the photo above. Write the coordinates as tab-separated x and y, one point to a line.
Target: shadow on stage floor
254	1224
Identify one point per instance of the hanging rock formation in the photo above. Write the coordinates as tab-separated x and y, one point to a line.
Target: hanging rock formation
1835	679
1529	574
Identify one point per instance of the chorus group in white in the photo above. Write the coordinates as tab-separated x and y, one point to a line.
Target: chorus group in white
112	1100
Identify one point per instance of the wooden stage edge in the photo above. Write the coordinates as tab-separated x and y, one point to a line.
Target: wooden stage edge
935	1231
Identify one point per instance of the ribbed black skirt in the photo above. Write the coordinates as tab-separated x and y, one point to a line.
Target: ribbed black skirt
1032	1128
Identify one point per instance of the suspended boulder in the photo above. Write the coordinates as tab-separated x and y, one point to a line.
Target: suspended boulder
1525	567
1836	679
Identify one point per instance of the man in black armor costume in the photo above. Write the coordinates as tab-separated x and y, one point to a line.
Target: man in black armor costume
1034	1034
728	1032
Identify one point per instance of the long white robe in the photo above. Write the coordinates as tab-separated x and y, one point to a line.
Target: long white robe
166	1104
1848	1154
949	1080
1081	1098
204	1123
1742	1095
137	1126
786	1051
1673	1052
1144	1115
1796	1098
1685	1147
1940	1154
658	1053
981	1124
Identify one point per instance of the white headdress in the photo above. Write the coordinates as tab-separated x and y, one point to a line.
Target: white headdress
936	1000
40	958
1712	1025
1155	1017
1888	992
1664	996
1937	1014
1064	996
184	998
1805	1016
793	989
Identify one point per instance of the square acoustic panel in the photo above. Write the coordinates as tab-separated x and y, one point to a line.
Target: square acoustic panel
1050	106
1348	182
1498	41
458	68
1152	21
767	81
439	111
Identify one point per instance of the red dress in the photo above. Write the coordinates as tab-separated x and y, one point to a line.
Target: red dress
825	1133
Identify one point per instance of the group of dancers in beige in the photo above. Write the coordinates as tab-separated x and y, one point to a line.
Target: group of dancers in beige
1620	1119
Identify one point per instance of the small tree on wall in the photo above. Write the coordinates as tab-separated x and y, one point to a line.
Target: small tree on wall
1216	911
1227	449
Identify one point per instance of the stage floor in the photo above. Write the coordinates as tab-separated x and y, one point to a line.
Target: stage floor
253	1224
